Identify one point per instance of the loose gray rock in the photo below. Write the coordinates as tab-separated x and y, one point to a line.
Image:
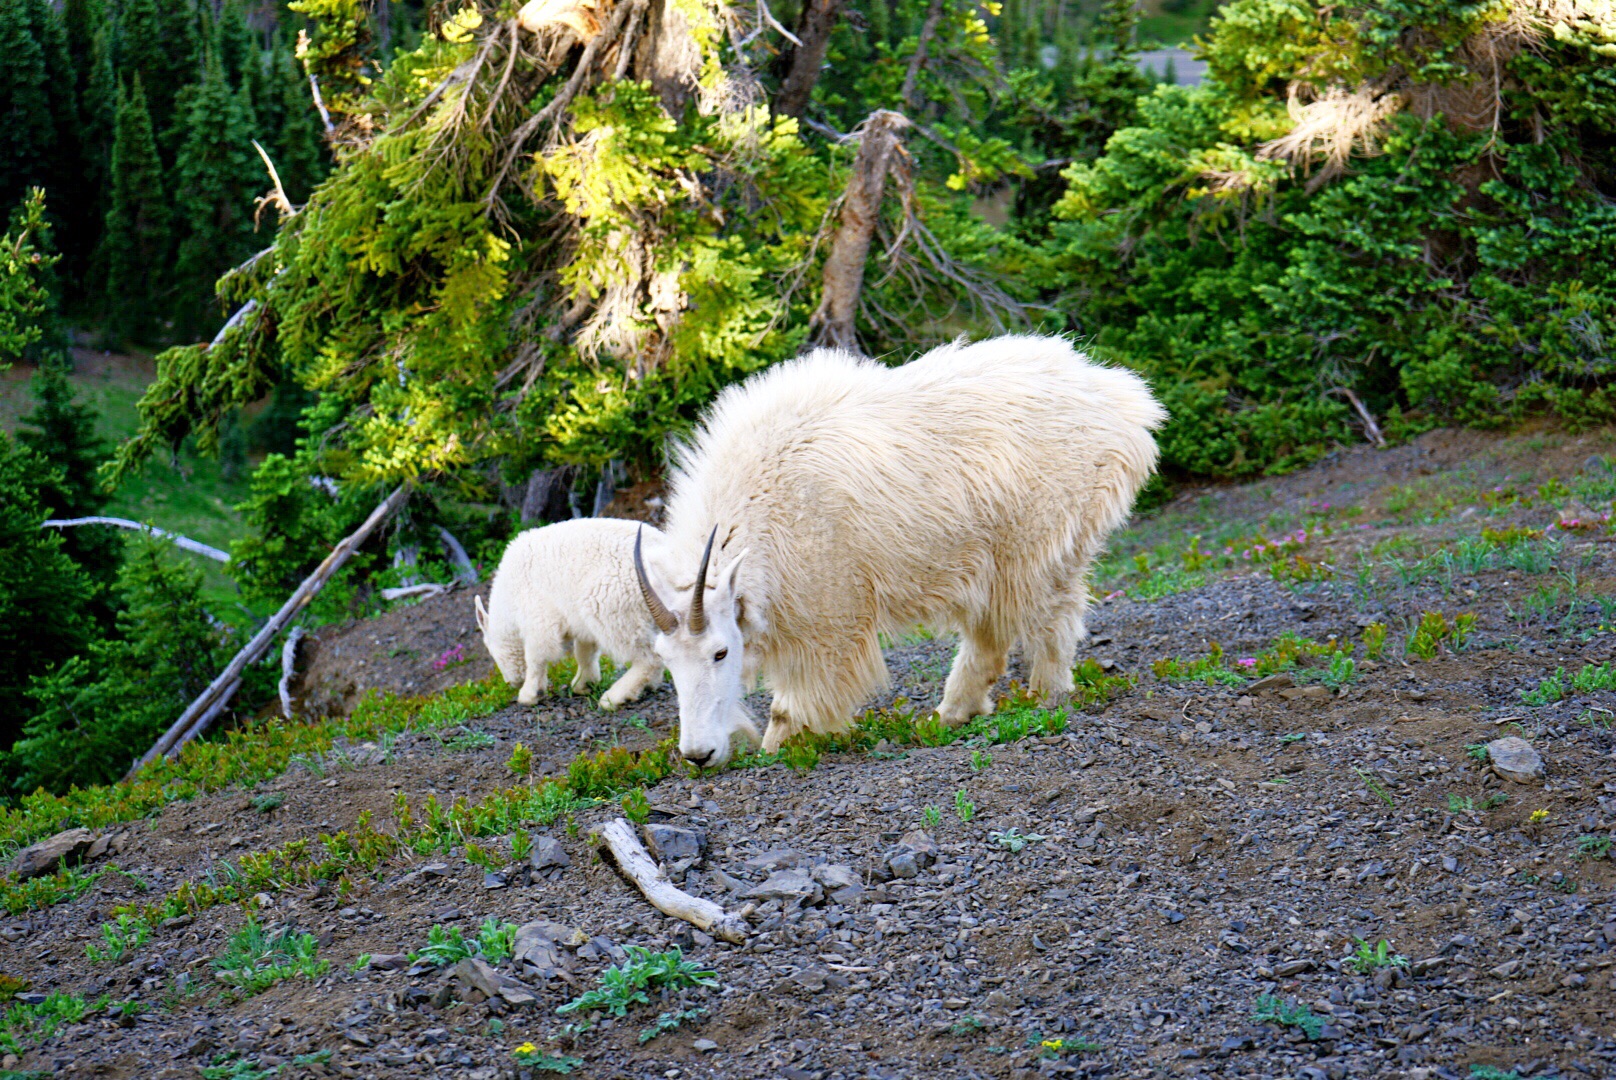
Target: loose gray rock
1513	758
388	961
789	885
904	864
475	974
778	859
45	856
835	876
544	948
1278	681
670	843
547	852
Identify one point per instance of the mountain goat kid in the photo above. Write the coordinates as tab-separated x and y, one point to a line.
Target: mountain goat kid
570	586
970	488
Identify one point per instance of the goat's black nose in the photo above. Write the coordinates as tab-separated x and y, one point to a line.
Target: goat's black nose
700	759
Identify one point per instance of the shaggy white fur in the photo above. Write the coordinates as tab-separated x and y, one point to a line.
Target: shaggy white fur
969	489
570	587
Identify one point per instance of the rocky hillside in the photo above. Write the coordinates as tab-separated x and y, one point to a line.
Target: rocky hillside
1338	801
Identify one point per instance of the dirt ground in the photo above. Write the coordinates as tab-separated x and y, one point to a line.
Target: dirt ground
1202	845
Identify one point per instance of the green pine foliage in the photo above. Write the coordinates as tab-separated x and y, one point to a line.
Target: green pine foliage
62	432
158	42
95	713
25	293
29	146
1445	276
43	594
135	244
216	178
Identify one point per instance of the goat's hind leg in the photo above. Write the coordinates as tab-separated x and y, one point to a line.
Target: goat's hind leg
641	673
587	654
983	653
1052	653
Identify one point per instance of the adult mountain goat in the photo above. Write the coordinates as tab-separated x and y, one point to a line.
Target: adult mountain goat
970	488
566	587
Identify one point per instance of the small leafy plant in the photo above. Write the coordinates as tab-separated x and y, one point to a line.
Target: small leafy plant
1478	752
1374	639
268	802
980	759
521	760
1371	958
529	1056
1594	847
636	807
1342	670
1271	1009
445	945
625	985
118	939
1014	840
1548	690
1376	787
255	960
1460	804
963	806
932	816
670	1021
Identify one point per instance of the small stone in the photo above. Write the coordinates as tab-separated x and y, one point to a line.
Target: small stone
778	859
835	876
789	885
388	961
492	880
904	864
852	894
1507	970
704	1046
435	870
811	980
1574	982
1306	693
1277	681
1513	758
1450	864
547	852
45	856
1294	967
177	922
263	900
31	997
668	843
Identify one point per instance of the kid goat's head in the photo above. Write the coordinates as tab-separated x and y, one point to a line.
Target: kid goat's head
702	649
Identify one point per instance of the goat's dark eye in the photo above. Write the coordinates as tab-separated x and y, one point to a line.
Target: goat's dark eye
719	655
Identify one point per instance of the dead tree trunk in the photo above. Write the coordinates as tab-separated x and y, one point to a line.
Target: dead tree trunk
803	64
546	495
205	708
928	30
880	151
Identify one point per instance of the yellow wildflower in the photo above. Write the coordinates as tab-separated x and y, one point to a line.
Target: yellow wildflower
526	1048
1539	816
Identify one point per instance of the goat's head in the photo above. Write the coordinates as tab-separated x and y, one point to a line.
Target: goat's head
703	650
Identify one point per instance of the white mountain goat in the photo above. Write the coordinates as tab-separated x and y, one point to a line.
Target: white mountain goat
570	586
970	488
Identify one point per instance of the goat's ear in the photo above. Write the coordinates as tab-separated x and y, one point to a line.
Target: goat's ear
482	613
726	577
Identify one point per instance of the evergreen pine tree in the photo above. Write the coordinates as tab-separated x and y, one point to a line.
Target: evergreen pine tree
216	179
62	432
97	713
136	242
238	52
158	42
98	109
42	593
299	143
29	145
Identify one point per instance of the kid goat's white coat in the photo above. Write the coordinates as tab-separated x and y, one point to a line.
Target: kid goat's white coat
570	586
970	488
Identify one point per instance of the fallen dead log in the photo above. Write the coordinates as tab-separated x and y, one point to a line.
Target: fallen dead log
124	523
202	712
430	588
636	864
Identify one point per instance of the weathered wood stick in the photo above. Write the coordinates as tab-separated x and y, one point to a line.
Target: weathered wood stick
124	523
637	865
289	669
201	712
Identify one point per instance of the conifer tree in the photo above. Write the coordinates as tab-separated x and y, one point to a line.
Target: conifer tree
135	246
98	110
158	42
237	48
216	179
29	144
42	593
62	432
299	144
98	711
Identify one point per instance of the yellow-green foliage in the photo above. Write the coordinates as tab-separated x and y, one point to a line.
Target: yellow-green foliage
1433	631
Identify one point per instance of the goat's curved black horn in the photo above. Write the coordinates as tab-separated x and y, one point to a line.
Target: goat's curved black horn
698	616
664	619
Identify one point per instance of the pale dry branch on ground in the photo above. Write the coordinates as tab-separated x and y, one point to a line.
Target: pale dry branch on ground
124	523
636	864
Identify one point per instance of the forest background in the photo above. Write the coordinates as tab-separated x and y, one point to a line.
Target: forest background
500	254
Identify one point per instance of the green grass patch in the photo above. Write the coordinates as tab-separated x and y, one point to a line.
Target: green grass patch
254	960
25	1025
1276	1010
